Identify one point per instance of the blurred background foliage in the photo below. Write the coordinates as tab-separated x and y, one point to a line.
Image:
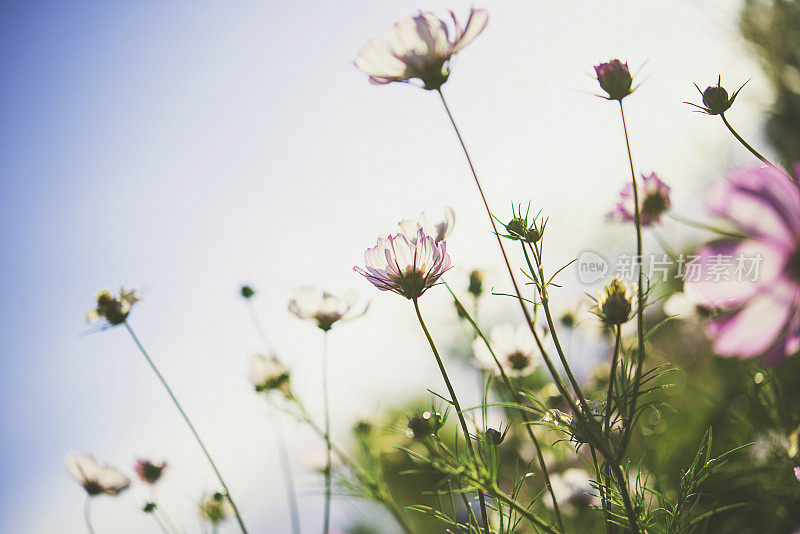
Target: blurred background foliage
740	400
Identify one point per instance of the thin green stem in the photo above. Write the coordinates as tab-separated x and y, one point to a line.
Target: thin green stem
283	452
522	510
752	150
456	405
160	522
326	401
703	226
548	362
602	490
189	424
173	526
622	484
612	376
639	294
87	514
518	399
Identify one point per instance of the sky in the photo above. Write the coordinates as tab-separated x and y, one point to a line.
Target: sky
185	148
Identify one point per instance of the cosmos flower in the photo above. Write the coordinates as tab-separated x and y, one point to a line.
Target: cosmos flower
94	478
654	201
419	47
148	470
438	230
797	473
114	310
409	268
758	311
515	348
615	79
324	308
269	374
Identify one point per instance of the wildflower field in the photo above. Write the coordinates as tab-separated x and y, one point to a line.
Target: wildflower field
371	268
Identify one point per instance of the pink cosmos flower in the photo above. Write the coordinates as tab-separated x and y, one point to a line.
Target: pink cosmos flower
653	201
797	473
758	311
396	263
419	47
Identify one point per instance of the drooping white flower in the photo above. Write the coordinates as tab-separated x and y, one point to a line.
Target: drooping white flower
267	374
419	47
408	268
325	309
94	478
114	309
515	348
438	230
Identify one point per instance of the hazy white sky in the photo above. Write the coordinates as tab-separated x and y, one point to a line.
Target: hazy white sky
185	148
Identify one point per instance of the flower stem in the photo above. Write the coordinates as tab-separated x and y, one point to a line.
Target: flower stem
327	515
283	452
752	150
87	514
189	424
639	294
550	367
518	399
522	510
703	226
612	376
457	406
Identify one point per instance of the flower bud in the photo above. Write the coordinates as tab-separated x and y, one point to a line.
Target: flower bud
425	425
149	507
148	470
247	291
716	100
615	79
614	305
476	282
495	436
517	229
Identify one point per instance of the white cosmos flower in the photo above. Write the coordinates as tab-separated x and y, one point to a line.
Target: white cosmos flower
94	478
267	374
686	305
438	230
515	348
324	308
419	47
409	268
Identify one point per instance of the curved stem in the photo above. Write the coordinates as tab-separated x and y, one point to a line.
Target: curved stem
189	424
703	226
87	514
456	405
327	515
518	399
259	326
752	150
548	362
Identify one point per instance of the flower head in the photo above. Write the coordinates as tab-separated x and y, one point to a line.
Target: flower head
269	375
419	47
615	79
475	287
438	230
323	308
615	303
654	201
715	98
515	348
113	309
148	470
94	478
214	508
409	268
757	302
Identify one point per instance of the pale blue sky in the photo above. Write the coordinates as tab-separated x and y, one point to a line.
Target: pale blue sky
185	147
